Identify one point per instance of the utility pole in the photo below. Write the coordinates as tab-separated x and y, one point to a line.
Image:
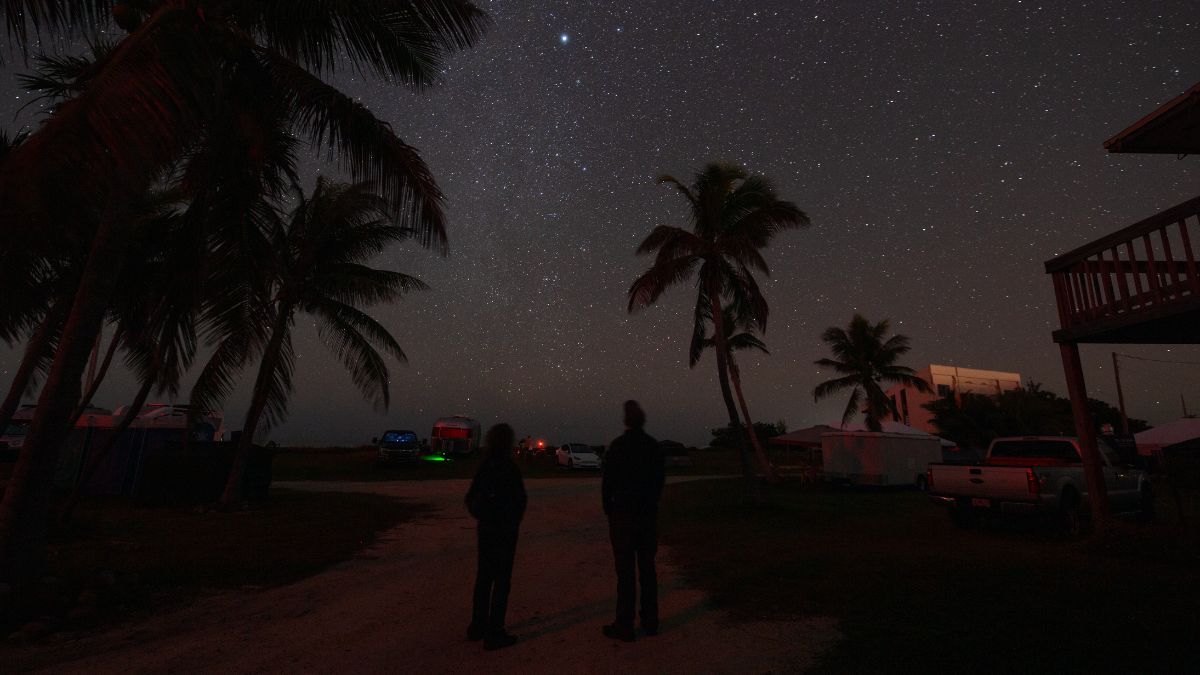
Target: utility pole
1120	397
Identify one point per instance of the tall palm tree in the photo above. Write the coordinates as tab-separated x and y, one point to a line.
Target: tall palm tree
145	106
734	215
318	268
865	358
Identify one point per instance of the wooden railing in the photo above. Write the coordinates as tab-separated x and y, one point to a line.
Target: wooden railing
1146	266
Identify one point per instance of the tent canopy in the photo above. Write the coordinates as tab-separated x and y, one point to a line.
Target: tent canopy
811	437
1183	429
808	438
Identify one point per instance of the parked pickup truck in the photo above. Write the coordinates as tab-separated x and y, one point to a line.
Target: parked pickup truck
1035	475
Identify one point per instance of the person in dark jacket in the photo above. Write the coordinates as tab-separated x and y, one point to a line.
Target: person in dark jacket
497	501
631	486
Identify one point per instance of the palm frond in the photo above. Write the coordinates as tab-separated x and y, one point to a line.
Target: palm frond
365	147
658	279
58	77
279	383
353	337
904	375
701	317
852	405
833	386
111	140
683	189
744	341
664	236
68	19
400	40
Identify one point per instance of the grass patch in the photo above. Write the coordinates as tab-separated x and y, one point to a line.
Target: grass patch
913	593
116	561
359	464
292	536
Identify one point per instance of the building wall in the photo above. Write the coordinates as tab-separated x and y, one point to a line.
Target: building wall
947	381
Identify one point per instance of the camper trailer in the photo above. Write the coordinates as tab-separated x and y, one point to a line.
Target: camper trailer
878	458
454	436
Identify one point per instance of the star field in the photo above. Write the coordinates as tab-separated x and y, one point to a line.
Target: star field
943	150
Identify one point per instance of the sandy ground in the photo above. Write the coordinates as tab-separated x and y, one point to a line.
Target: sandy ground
403	606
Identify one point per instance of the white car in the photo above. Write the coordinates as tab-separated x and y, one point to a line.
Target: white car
577	456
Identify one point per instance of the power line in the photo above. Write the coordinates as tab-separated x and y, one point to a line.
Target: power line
1143	358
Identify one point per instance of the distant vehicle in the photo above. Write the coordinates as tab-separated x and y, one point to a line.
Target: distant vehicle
399	445
878	458
531	449
577	456
1032	475
457	435
11	440
674	454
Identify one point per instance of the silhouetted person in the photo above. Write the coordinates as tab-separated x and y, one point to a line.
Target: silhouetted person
632	483
497	501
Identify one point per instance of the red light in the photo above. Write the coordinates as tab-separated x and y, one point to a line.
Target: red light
1034	486
541	444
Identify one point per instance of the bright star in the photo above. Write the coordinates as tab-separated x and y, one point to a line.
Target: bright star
564	38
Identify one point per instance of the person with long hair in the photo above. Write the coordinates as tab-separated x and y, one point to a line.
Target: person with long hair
497	501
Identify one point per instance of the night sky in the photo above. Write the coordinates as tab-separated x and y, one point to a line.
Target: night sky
944	151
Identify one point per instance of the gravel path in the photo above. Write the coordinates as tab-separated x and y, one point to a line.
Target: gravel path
403	605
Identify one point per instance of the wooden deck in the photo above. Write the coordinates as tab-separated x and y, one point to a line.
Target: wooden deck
1137	285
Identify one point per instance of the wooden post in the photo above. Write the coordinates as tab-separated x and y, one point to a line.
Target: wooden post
1093	466
1120	396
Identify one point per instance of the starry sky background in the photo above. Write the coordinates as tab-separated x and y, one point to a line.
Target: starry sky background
944	150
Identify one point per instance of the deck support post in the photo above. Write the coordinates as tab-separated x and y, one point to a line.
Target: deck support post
1093	465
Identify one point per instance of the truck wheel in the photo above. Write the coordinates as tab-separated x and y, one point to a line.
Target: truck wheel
1146	505
1070	517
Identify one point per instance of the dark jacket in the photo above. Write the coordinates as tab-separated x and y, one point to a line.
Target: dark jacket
497	495
633	474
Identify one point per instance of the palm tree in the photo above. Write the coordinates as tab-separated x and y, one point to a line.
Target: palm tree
318	268
734	215
148	104
864	359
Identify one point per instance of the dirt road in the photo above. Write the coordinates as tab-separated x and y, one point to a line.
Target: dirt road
404	603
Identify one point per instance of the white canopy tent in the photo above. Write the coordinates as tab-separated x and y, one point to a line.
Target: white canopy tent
890	427
1152	441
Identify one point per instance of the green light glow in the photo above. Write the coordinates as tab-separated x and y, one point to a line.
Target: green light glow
435	458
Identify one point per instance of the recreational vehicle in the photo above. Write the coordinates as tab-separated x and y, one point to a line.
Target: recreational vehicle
454	436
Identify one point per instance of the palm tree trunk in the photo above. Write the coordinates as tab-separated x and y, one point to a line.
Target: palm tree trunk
25	511
35	351
738	437
96	459
94	385
763	460
721	347
258	403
